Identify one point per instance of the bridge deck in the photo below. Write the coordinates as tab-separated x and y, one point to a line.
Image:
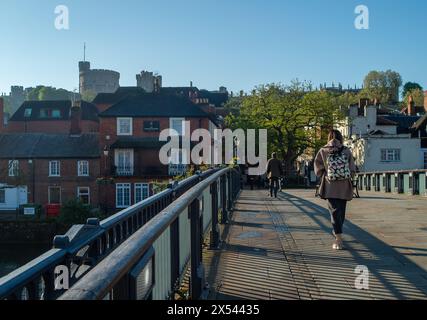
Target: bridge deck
281	249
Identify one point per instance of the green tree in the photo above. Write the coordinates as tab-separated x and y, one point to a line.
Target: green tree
48	93
410	86
293	116
417	96
383	86
88	95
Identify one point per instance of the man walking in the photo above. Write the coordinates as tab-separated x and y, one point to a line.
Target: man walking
274	171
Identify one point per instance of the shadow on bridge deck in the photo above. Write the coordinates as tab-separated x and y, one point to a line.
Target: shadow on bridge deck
281	249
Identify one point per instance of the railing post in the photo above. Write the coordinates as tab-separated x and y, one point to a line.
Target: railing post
174	244
230	192
214	244
197	272
224	216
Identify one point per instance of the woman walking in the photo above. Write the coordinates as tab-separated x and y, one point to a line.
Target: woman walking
334	164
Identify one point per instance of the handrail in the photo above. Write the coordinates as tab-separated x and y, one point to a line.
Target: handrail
99	238
99	281
392	172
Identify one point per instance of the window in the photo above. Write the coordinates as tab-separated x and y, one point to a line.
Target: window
141	191
178	124
83	168
2	196
124	126
28	112
50	113
83	194
425	159
152	126
124	162
122	195
13	168
54	195
390	155
54	168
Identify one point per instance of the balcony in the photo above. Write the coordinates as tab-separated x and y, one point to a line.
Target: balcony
177	169
125	171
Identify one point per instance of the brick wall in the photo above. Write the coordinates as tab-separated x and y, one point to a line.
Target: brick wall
35	176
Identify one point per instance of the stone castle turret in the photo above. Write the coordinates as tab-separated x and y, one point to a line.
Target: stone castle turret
97	80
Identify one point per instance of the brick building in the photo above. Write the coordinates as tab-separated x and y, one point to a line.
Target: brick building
129	132
48	169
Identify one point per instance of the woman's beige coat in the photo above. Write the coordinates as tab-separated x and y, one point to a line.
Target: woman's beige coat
342	189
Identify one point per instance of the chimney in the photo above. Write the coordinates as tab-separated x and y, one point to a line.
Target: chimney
411	106
1	115
76	116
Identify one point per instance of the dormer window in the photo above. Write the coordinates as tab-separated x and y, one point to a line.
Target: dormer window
28	112
47	113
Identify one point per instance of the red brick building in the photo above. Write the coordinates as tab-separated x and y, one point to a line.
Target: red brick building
47	169
129	132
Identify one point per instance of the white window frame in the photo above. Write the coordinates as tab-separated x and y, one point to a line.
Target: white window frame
391	155
81	166
131	160
119	132
171	122
123	186
58	174
80	193
13	168
141	187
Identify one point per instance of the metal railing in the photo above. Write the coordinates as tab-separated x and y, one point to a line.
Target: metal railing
150	264
411	182
84	246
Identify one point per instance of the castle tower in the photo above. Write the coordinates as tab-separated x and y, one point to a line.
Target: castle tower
148	81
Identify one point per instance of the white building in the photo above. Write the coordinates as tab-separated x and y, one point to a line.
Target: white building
385	141
12	198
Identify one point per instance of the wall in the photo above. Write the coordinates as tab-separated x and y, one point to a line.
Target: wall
99	81
36	177
410	159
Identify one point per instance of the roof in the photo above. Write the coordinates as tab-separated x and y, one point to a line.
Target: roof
41	146
89	110
155	105
382	121
404	123
215	97
120	94
420	123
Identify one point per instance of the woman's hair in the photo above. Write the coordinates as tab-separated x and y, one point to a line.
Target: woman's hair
335	134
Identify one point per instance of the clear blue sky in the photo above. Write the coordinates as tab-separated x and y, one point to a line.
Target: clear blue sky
235	43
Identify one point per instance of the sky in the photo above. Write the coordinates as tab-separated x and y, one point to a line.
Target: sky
233	43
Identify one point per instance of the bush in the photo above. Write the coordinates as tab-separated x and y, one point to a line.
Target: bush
76	212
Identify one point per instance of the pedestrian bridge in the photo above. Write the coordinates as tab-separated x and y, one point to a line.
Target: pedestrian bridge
204	238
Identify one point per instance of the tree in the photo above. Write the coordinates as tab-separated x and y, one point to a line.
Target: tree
293	116
48	93
383	86
417	96
410	86
88	95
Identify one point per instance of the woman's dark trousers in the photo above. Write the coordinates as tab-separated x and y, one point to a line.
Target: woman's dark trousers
337	208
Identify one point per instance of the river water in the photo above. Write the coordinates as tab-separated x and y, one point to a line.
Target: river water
13	256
